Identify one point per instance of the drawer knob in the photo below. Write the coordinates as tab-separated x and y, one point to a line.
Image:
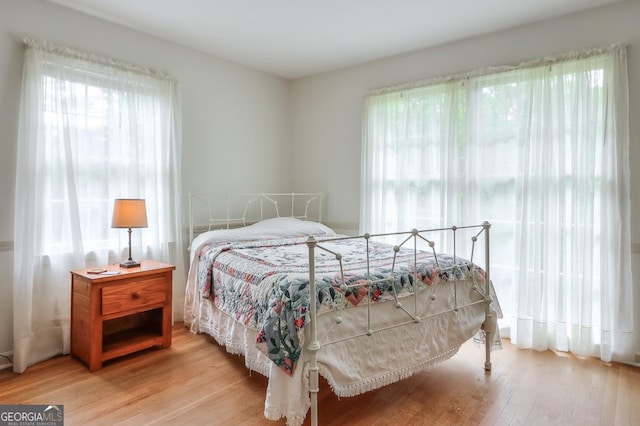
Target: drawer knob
135	295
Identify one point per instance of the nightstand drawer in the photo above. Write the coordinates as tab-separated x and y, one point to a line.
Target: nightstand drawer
133	295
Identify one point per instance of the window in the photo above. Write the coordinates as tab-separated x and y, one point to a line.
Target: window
540	152
103	133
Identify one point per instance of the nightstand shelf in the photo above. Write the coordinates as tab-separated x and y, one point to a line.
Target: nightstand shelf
128	341
115	315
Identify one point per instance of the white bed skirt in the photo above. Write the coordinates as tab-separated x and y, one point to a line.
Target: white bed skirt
354	366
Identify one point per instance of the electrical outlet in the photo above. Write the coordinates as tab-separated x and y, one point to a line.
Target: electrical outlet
6	360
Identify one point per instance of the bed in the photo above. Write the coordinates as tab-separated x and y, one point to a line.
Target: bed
298	300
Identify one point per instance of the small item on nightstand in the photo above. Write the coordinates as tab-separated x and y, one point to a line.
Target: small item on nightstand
96	271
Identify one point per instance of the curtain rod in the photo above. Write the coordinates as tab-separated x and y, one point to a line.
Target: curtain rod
546	60
48	47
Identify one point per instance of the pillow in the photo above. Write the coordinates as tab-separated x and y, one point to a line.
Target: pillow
268	229
288	227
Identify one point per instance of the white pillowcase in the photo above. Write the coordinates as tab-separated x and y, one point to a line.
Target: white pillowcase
268	229
288	227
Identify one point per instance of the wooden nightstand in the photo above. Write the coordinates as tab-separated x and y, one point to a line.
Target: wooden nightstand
114	315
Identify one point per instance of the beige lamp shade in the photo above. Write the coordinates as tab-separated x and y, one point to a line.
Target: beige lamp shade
129	213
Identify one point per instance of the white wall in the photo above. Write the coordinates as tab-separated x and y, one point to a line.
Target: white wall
327	108
230	113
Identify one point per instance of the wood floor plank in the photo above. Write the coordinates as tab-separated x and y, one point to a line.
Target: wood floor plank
197	382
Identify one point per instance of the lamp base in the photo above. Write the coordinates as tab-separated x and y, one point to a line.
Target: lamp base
129	264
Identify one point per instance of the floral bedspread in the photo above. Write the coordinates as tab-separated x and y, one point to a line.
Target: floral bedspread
265	284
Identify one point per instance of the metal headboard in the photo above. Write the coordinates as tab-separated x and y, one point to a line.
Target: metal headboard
233	210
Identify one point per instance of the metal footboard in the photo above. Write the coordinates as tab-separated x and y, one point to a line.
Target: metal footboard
412	315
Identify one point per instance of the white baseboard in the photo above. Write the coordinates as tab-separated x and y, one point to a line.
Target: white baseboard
636	360
4	362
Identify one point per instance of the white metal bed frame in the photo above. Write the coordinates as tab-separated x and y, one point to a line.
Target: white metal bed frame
300	205
412	317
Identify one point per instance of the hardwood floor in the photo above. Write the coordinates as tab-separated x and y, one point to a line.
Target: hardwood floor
196	382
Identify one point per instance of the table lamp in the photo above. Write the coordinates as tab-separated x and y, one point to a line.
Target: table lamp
129	213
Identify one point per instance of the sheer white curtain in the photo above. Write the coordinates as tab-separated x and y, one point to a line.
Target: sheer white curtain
540	151
91	130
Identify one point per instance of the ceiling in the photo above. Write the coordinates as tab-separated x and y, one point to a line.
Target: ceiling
298	38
